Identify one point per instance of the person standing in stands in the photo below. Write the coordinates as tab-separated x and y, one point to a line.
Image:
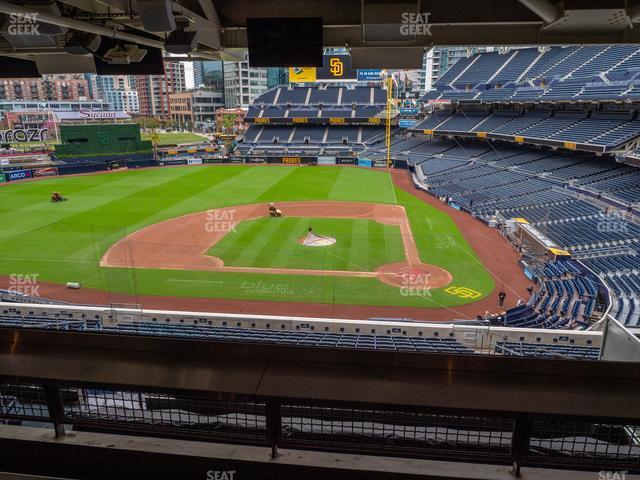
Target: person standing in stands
501	296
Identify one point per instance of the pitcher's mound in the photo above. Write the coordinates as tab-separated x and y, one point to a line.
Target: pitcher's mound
313	240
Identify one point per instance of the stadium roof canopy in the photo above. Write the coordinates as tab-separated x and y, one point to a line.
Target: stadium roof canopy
380	33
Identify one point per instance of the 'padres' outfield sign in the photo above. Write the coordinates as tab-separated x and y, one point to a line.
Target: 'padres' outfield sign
291	160
23	135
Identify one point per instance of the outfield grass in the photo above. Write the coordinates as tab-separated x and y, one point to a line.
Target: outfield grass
173	138
64	242
361	245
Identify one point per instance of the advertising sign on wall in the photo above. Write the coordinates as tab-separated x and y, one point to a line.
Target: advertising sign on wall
18	175
370	75
407	123
45	172
21	135
325	160
302	74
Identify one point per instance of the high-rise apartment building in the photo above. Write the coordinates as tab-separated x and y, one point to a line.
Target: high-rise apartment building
242	84
154	90
49	87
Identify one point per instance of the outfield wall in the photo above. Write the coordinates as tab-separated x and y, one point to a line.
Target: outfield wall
113	162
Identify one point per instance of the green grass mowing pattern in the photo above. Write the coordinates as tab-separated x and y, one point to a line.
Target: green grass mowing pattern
361	245
64	242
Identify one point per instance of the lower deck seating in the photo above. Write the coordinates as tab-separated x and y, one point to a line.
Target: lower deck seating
523	349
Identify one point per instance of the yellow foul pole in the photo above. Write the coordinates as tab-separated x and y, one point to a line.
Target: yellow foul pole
388	124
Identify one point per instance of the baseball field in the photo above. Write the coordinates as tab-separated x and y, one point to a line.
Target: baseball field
204	232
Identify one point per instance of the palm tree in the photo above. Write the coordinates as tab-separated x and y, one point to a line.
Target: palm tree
154	136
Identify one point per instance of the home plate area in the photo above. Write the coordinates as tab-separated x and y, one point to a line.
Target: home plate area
314	240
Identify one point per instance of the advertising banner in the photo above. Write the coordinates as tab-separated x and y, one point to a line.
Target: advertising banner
176	161
194	161
407	123
325	160
365	162
370	75
18	175
21	135
409	111
45	172
302	74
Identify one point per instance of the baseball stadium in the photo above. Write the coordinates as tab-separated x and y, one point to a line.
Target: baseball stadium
406	254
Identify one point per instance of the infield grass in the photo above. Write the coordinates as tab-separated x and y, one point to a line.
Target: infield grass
64	242
361	245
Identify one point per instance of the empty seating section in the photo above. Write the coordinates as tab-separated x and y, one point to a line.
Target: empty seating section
326	96
599	91
482	69
252	335
580	73
604	129
432	121
524	349
461	122
451	74
516	65
547	61
566	298
562	91
358	95
494	121
333	101
517	124
606	60
547	127
504	181
312	134
337	135
581	55
293	96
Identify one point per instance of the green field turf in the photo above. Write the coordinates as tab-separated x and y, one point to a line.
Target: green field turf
173	138
361	245
64	242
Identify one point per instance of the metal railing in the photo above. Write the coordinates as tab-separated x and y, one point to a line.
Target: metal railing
391	430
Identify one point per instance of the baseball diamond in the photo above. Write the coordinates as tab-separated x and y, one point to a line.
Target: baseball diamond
204	234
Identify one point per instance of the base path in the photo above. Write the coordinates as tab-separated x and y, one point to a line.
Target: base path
182	243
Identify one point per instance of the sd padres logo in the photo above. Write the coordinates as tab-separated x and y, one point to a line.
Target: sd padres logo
336	67
462	292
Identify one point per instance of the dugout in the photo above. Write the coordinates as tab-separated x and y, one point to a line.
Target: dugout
536	242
